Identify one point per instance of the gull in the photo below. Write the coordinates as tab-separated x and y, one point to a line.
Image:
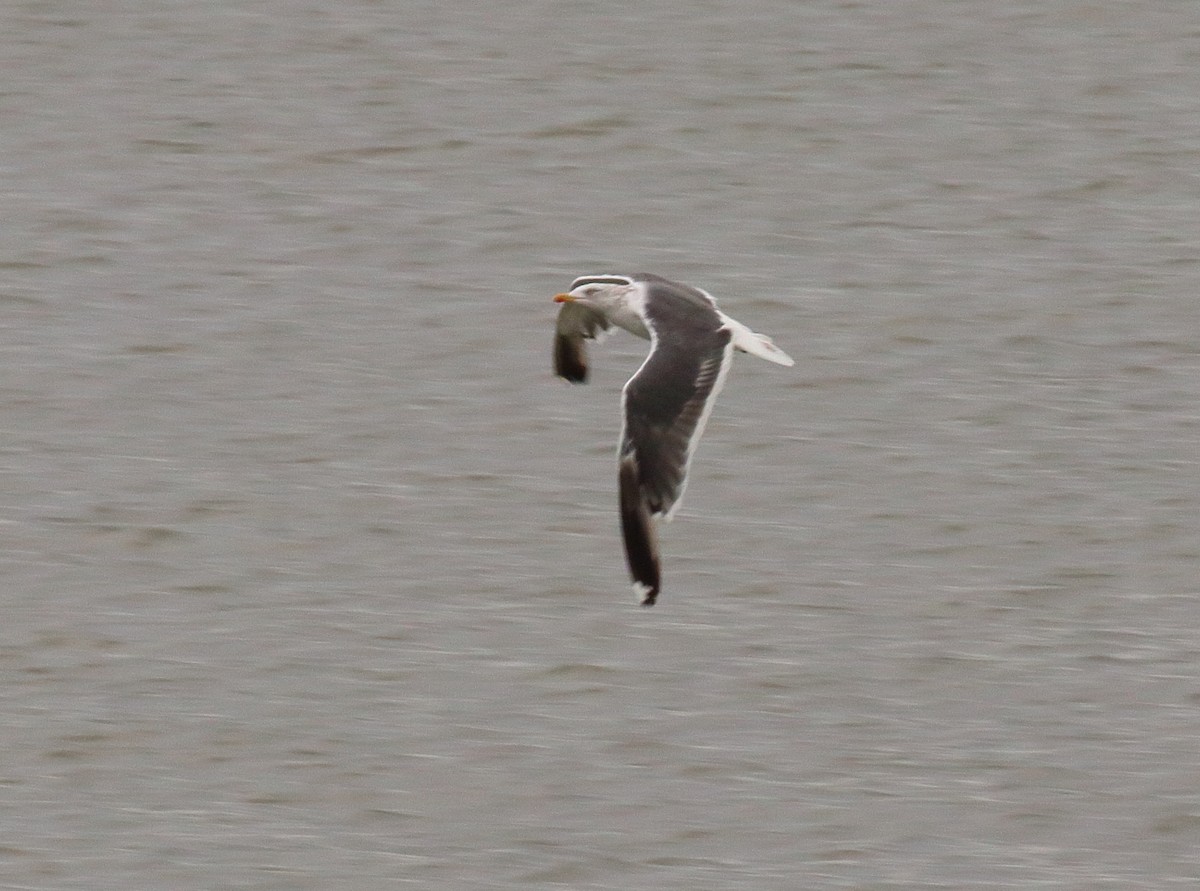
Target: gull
666	403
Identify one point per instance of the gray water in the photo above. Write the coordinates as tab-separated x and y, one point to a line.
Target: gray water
310	568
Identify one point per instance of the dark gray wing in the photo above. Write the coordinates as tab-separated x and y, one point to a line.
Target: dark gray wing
637	531
666	405
575	324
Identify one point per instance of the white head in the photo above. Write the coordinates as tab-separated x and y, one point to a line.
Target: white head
606	293
617	297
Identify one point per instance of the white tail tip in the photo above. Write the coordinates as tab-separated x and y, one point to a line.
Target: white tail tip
754	343
767	350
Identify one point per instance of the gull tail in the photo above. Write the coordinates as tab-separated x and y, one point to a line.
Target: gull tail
756	344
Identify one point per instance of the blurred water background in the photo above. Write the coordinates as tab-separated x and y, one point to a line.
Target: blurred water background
310	572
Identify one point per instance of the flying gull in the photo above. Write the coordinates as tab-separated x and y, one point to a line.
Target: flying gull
666	403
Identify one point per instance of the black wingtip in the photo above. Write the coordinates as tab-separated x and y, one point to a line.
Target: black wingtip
637	529
569	360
